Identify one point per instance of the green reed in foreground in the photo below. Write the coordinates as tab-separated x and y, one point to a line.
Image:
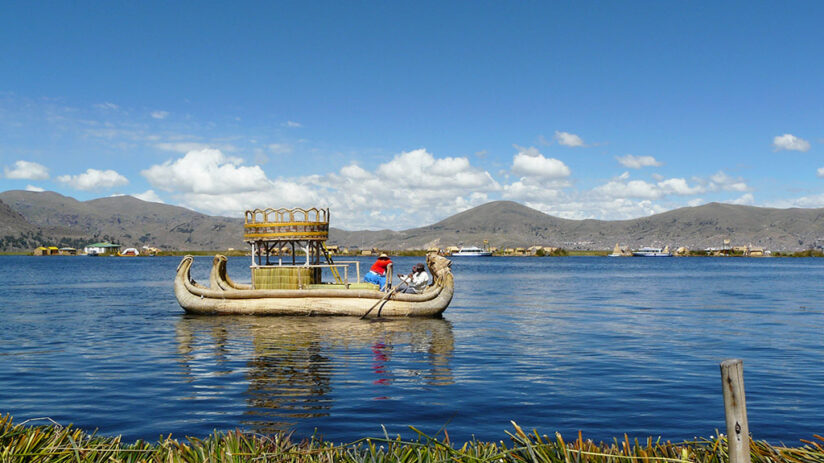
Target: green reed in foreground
55	443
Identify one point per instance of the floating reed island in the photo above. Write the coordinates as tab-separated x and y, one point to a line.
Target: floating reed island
55	443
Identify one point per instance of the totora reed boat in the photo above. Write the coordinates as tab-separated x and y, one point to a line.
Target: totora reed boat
290	288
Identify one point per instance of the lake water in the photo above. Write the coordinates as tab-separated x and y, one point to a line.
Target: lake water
604	345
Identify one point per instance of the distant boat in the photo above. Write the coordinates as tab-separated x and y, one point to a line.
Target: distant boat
129	252
652	252
472	251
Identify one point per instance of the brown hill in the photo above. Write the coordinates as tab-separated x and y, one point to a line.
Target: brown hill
125	220
131	222
11	222
510	224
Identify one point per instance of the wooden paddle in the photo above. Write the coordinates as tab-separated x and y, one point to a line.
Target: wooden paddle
385	298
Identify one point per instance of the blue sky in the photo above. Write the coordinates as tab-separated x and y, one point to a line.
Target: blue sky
398	115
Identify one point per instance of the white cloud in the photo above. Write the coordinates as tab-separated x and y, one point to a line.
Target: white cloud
721	181
531	163
679	186
568	139
820	172
355	172
637	162
744	200
419	169
160	114
695	202
26	170
148	195
622	187
532	192
34	188
630	189
292	124
791	143
94	179
206	171
814	201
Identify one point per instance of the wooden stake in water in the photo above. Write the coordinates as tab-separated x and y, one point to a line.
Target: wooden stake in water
735	410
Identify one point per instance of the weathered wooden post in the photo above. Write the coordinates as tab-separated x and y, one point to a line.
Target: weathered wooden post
735	410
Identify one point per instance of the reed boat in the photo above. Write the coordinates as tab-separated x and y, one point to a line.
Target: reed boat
224	296
282	285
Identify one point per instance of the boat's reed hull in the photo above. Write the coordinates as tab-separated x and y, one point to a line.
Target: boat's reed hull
224	297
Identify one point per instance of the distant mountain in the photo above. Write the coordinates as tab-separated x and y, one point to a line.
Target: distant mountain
125	220
11	222
28	219
510	224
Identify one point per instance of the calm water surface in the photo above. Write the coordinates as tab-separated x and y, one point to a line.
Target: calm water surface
603	345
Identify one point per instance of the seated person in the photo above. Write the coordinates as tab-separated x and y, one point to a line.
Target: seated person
417	281
377	273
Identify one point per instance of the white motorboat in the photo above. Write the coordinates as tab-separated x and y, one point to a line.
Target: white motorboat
472	251
652	252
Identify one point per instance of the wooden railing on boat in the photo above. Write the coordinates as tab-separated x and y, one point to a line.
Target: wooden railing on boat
286	224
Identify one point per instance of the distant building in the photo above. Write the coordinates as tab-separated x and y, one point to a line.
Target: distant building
46	251
102	249
41	251
68	251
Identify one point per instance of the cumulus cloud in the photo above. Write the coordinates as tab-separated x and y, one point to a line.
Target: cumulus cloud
637	162
34	188
411	189
94	179
160	114
721	181
744	200
541	179
622	187
530	162
148	195
820	172
292	124
420	169
790	142
679	186
26	170
568	139
205	171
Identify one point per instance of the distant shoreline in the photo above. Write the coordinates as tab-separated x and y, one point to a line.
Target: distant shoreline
416	253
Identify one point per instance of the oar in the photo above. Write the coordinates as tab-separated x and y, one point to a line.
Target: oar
384	298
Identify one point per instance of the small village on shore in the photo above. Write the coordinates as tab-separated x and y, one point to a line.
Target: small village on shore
725	250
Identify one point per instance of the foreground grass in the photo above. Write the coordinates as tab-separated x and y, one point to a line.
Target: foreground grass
55	443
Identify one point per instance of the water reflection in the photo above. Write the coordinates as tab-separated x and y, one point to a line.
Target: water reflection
293	369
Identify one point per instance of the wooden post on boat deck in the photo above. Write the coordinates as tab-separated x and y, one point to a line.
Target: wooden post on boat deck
346	276
735	411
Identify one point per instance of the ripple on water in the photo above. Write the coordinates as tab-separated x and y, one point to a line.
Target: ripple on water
606	346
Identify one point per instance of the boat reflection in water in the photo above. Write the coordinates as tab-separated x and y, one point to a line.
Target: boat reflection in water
290	370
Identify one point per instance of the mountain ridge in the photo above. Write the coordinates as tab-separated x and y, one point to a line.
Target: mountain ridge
26	217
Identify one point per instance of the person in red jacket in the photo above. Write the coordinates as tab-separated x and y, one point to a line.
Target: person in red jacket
377	273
